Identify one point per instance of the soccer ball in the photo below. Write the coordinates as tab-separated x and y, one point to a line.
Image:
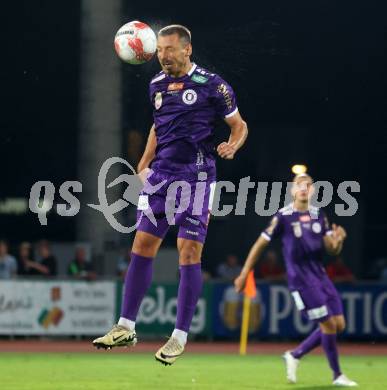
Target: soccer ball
135	42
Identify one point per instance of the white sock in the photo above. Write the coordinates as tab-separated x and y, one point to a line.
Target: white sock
128	324
181	336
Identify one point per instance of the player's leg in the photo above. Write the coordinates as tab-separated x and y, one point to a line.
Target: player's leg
315	303
139	276
292	358
137	281
306	300
193	224
190	287
310	343
152	227
329	334
329	344
340	323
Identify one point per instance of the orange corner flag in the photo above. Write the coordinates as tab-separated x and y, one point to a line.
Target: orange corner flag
250	288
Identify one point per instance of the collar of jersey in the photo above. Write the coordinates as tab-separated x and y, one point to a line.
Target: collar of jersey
311	210
193	67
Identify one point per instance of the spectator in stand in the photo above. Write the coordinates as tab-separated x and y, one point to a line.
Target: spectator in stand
270	269
25	258
339	272
80	267
229	269
8	264
47	265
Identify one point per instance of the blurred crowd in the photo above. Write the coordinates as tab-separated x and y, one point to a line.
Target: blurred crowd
38	260
271	268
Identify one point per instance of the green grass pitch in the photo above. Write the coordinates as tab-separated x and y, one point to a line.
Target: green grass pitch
107	371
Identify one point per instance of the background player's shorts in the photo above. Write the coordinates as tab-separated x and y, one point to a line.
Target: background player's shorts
318	303
194	216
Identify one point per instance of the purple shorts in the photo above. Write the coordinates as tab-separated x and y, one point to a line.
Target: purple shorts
175	203
318	303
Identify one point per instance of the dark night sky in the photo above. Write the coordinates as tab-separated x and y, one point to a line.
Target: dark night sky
310	79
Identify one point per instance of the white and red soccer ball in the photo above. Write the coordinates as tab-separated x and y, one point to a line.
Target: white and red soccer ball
135	43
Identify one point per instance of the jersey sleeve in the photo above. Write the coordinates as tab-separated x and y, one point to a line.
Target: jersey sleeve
274	229
326	226
224	98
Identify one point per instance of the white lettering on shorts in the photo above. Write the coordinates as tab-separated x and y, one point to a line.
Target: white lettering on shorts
143	202
318	312
192	233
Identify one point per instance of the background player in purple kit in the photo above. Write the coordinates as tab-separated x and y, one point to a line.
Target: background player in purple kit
305	234
187	100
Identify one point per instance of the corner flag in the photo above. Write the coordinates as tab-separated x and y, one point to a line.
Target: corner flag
249	292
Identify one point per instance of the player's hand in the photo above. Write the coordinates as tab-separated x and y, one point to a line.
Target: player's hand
339	232
226	150
239	283
143	174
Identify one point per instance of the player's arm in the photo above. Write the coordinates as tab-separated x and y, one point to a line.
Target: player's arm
238	135
333	242
252	258
150	151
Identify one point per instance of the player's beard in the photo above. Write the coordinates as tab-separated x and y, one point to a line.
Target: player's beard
175	69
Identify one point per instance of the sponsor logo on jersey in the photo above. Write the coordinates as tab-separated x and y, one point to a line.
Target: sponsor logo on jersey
222	88
175	86
158	100
305	218
189	96
199	79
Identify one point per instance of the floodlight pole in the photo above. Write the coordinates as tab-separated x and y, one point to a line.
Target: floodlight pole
99	122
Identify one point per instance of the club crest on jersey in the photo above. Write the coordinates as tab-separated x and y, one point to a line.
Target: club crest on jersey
158	100
175	86
189	96
316	227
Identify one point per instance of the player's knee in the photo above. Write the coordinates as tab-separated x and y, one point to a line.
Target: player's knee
144	245
189	254
328	326
340	325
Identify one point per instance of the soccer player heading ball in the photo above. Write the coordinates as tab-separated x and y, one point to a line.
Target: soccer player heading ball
186	101
305	233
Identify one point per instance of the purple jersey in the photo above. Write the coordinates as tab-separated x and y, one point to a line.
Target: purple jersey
302	242
184	111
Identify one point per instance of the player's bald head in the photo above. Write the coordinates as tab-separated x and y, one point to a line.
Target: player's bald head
182	32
